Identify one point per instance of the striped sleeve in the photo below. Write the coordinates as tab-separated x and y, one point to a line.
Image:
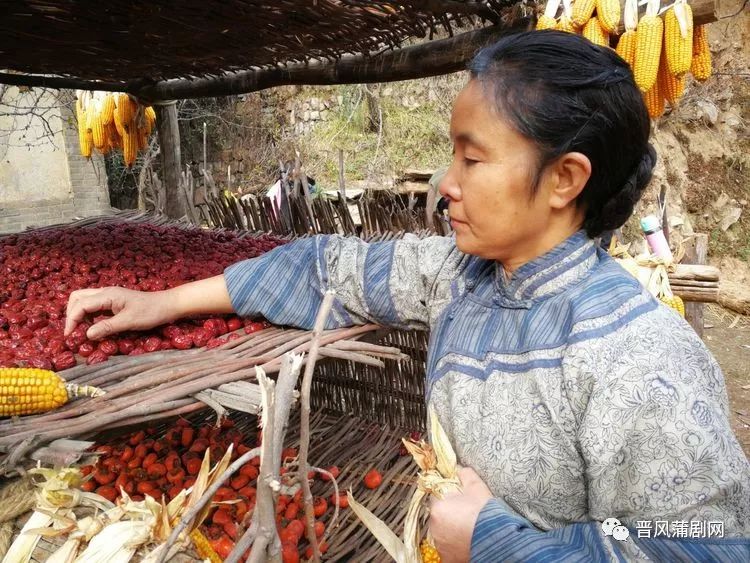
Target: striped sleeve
502	535
390	283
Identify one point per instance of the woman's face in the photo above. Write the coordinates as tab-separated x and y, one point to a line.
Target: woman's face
489	186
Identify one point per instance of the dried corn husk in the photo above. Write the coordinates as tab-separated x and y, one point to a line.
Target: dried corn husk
56	495
438	475
182	503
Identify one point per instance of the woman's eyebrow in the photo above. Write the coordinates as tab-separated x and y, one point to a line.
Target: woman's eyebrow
468	138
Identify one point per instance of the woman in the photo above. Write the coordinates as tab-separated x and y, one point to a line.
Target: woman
571	396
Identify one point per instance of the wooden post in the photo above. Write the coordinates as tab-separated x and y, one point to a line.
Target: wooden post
695	253
171	159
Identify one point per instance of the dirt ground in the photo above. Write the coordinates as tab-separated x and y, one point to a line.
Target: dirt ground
728	337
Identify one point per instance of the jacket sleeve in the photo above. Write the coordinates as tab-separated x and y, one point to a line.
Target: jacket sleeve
502	535
392	283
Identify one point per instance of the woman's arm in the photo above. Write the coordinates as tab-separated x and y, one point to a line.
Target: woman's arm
390	283
140	310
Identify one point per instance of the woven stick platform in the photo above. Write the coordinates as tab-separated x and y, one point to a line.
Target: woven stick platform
355	445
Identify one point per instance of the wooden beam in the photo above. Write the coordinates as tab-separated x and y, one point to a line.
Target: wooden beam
59	82
433	58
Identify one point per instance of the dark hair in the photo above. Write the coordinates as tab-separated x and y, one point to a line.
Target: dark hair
566	94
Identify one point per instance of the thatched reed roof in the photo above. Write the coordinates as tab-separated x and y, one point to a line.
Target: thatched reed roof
137	41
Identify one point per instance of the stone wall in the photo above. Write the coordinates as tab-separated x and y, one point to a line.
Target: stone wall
310	106
49	182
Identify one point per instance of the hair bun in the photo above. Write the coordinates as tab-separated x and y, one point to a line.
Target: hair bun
618	209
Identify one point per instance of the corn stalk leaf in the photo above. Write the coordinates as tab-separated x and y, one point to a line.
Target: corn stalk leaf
387	538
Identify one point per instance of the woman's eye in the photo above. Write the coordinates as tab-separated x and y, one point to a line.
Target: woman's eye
470	161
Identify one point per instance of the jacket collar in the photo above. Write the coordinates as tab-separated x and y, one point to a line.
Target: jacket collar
549	274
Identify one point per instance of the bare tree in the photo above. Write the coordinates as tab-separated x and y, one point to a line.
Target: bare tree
31	117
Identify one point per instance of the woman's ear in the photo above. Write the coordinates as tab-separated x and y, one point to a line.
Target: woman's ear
572	171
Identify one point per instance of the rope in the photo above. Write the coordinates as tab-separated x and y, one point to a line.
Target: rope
16	497
6	535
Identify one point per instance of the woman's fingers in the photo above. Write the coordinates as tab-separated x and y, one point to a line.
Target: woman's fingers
86	301
112	325
80	303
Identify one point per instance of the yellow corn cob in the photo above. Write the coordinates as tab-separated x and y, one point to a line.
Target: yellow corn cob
545	22
678	37
130	146
150	116
119	126
593	32
113	137
429	552
627	42
647	51
700	65
671	86
608	14
582	11
675	302
97	130
125	108
565	24
654	100
108	109
32	390
83	139
203	548
626	47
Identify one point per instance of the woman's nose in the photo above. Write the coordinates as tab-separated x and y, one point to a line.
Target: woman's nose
449	187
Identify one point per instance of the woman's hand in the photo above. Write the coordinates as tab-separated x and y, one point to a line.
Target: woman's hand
133	310
139	310
452	519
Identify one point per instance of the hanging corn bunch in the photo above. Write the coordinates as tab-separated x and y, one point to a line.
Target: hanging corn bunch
649	34
678	37
627	42
608	14
547	19
565	23
700	65
438	475
594	32
113	121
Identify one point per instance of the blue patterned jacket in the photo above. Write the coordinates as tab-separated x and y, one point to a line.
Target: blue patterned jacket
575	396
